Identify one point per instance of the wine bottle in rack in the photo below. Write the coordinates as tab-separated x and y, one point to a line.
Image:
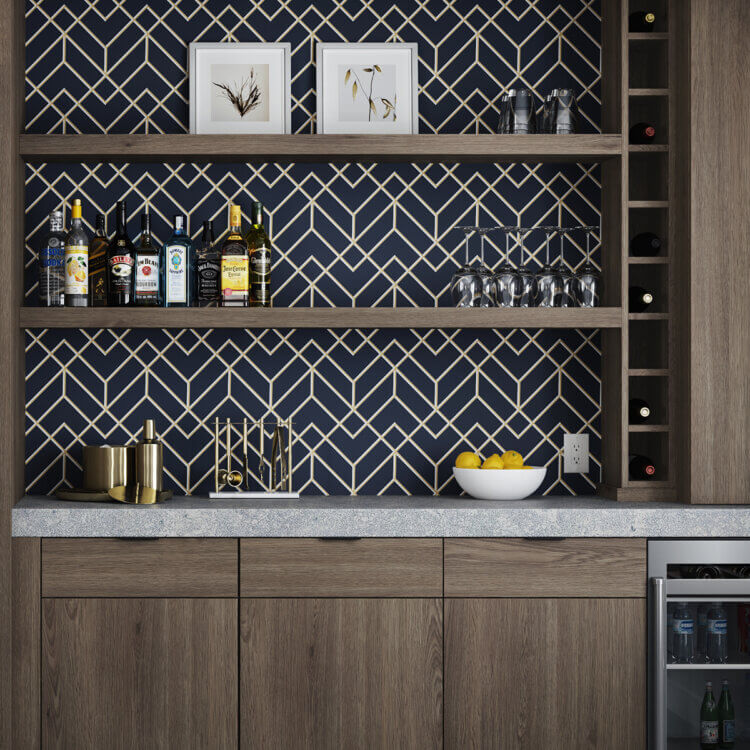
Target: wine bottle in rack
639	299
641	21
645	244
642	133
639	411
641	468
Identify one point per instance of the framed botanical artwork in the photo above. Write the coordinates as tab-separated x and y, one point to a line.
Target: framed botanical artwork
367	88
240	88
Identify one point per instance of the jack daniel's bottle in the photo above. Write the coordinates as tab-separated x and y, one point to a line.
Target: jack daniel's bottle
259	245
208	269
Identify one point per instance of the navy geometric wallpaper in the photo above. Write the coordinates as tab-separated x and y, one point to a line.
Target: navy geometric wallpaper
375	411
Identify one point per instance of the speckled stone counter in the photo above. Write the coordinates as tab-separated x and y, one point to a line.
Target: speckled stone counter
378	516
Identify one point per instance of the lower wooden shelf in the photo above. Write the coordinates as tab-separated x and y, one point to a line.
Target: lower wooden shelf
319	317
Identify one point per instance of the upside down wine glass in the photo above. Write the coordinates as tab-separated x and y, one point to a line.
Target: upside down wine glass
526	279
568	279
487	294
588	278
465	284
506	281
549	282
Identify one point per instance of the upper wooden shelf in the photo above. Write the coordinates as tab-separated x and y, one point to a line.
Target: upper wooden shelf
320	148
319	317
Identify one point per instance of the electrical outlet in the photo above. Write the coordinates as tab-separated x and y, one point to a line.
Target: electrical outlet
576	453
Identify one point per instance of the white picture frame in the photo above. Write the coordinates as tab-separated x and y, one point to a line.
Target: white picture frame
346	106
219	71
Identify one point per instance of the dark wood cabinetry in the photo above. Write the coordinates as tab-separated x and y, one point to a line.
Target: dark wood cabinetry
139	673
341	673
544	673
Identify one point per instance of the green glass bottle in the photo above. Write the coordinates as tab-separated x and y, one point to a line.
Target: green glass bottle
726	717
709	720
259	245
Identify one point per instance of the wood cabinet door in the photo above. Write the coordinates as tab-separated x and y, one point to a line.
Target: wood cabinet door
545	673
341	673
139	673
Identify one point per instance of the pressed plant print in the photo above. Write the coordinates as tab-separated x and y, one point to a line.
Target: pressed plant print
240	93
368	93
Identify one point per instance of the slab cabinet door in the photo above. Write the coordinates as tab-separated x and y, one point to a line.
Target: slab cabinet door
545	673
139	673
341	673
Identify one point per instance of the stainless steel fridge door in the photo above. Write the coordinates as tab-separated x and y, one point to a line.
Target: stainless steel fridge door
657	664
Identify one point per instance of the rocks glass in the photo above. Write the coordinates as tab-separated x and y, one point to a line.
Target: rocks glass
517	112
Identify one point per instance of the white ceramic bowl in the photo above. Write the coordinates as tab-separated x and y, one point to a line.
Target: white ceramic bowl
500	484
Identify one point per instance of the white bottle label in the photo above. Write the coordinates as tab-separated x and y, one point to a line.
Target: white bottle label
710	732
727	730
146	275
76	269
717	626
176	290
683	626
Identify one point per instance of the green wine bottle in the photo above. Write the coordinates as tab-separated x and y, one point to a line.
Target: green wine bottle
726	717
709	721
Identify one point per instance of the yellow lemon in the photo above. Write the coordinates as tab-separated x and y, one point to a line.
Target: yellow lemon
512	460
493	462
468	460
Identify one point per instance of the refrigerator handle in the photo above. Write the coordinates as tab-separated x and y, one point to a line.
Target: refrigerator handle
657	664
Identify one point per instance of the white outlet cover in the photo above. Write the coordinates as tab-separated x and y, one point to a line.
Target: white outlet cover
576	453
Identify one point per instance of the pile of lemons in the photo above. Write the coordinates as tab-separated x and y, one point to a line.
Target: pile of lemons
509	460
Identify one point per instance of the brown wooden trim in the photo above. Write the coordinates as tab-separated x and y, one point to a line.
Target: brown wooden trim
139	567
320	317
545	568
320	148
26	643
341	567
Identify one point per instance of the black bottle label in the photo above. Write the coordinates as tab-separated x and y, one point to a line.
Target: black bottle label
209	273
120	273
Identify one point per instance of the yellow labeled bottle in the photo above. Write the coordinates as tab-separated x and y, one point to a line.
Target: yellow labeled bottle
235	264
76	261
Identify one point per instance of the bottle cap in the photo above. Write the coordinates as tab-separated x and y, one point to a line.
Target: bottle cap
75	212
648	298
709	685
145	222
148	429
235	215
179	221
644	411
650	18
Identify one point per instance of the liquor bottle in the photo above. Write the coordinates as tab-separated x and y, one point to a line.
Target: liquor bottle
641	468
641	21
51	264
120	261
207	269
98	264
235	264
259	245
726	717
146	284
709	720
176	266
642	132
639	299
76	260
645	244
639	411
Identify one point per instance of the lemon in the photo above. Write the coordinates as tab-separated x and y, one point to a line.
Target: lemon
468	460
512	460
493	462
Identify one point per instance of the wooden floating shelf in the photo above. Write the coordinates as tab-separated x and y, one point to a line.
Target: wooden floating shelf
319	317
653	148
648	36
319	148
649	372
648	428
649	316
648	92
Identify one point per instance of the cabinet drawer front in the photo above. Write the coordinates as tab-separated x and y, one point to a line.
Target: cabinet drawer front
341	567
544	567
139	567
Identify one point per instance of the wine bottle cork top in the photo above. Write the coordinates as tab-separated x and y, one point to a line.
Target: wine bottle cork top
148	429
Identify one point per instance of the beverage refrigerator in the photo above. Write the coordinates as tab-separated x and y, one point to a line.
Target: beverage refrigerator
699	632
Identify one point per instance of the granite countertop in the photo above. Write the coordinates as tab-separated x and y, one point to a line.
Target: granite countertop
378	516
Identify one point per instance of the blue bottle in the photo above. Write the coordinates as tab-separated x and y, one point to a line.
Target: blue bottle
176	266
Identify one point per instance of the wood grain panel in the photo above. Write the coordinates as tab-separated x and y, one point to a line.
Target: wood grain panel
545	673
718	463
139	567
335	567
539	567
321	317
26	646
341	673
317	148
139	673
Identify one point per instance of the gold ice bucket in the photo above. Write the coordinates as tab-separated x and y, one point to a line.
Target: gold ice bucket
107	466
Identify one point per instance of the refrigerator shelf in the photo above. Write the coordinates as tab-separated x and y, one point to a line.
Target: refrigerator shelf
709	667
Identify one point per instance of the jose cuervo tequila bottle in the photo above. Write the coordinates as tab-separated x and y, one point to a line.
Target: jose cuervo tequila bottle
176	265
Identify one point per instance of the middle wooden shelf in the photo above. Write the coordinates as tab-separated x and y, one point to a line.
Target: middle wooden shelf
319	317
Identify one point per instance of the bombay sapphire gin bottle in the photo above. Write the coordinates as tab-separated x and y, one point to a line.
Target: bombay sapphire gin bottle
176	266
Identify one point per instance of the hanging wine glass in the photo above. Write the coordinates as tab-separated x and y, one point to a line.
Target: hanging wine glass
465	284
588	278
506	280
526	279
549	283
487	295
568	298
